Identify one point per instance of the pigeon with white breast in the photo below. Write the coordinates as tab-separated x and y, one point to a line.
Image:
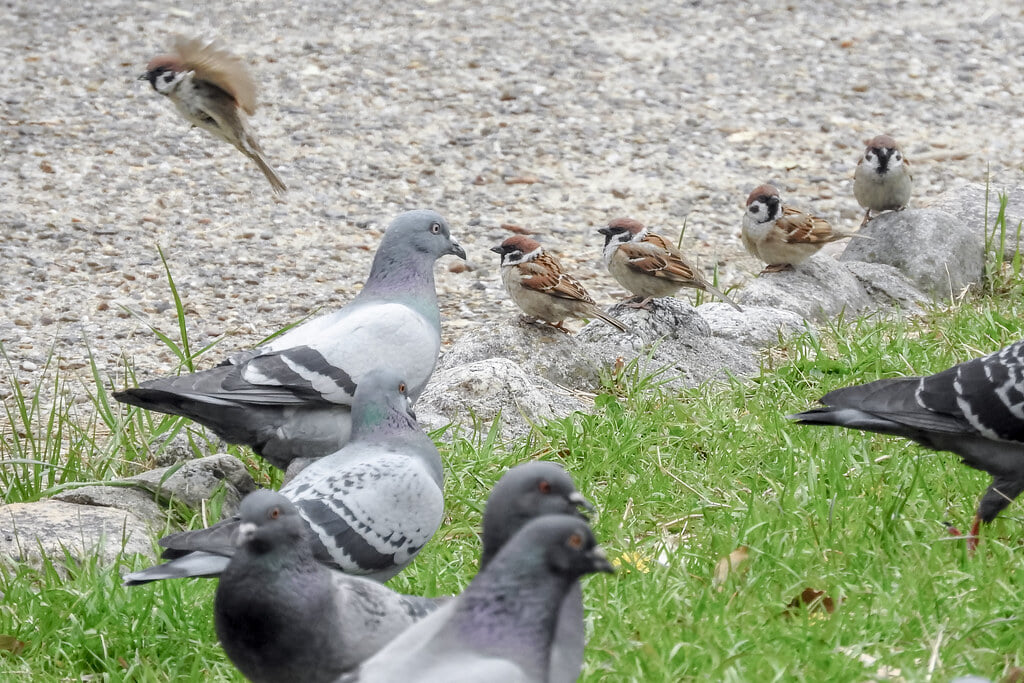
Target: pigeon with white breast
371	506
311	623
974	409
502	627
291	397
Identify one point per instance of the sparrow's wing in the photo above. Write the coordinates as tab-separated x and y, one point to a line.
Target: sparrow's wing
800	227
544	274
220	68
656	257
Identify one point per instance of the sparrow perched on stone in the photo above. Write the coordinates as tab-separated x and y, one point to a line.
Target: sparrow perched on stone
648	265
537	284
974	409
213	90
882	181
782	236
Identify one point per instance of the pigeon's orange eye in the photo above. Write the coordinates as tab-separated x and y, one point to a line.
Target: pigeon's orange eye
544	486
275	513
575	541
401	387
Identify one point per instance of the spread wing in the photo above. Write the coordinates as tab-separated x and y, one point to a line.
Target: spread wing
219	67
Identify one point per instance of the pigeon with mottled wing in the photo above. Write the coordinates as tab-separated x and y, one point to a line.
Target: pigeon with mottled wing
371	506
974	409
282	616
501	628
291	398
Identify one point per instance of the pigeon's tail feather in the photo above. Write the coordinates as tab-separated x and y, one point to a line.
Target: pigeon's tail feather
851	418
192	565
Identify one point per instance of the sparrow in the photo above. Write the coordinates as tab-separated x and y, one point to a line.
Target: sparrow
781	236
214	91
882	181
291	398
648	265
537	284
974	409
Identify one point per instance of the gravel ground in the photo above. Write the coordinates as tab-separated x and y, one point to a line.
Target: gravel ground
514	112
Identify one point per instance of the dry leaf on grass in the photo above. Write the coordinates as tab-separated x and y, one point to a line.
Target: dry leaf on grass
729	565
813	600
11	644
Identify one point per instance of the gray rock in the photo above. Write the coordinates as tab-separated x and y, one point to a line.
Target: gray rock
938	253
195	481
755	326
817	289
968	205
475	394
51	528
140	503
887	286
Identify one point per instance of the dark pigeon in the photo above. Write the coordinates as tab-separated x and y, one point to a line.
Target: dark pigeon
974	409
291	398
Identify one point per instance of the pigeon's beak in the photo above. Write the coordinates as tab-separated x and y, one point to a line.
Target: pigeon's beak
457	250
577	499
600	561
246	530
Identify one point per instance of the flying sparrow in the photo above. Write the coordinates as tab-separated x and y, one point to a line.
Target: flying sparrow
781	236
213	90
537	284
882	181
648	265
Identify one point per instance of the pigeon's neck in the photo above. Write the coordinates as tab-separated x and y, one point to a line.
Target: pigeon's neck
370	422
406	277
499	617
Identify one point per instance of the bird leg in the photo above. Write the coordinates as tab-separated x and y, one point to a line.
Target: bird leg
776	268
972	538
560	326
640	302
867	218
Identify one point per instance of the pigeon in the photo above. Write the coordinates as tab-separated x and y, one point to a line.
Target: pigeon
280	615
501	628
974	409
315	622
370	507
291	397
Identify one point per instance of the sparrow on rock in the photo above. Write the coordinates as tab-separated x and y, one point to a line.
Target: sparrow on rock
213	90
537	284
974	409
648	265
882	181
782	236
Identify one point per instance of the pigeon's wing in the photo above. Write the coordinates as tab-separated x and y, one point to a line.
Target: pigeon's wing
219	67
192	565
219	539
545	274
332	353
570	639
371	514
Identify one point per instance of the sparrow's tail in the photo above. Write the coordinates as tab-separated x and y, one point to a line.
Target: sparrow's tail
614	322
251	149
721	295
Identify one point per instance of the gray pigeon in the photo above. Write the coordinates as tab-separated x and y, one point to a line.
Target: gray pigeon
315	623
371	506
501	628
282	616
974	409
291	397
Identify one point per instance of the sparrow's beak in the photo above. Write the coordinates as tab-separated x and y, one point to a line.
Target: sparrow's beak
144	76
457	250
605	231
600	561
497	250
577	499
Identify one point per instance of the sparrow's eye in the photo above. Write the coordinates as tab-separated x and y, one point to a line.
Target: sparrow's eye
435	228
544	486
274	513
897	156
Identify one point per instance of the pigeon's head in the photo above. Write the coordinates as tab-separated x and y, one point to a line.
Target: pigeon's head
163	73
764	204
269	522
564	543
382	399
523	493
422	231
517	249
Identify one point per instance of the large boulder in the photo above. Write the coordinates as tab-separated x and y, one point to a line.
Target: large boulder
939	253
975	205
817	289
59	530
193	482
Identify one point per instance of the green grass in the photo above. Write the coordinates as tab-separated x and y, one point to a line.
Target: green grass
681	481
